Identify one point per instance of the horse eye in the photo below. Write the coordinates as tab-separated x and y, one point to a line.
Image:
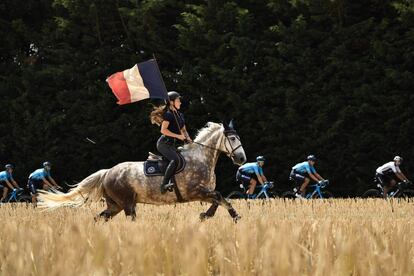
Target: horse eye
233	139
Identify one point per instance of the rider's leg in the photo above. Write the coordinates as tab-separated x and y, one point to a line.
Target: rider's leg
305	183
387	188
170	153
3	197
169	172
252	186
32	188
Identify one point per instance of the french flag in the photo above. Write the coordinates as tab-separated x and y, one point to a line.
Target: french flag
143	81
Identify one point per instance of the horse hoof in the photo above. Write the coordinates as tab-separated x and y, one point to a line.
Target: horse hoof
203	216
236	218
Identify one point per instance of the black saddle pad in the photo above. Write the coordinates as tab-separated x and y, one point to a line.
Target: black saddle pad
158	167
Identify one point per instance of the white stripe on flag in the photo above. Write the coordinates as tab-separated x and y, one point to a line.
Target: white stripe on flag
135	84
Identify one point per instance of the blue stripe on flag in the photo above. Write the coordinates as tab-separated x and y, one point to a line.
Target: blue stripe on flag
152	78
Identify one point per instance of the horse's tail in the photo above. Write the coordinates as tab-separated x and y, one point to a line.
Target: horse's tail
88	190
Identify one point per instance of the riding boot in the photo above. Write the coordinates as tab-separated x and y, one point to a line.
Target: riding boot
167	185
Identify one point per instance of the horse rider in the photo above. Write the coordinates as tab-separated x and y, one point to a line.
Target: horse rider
303	172
172	129
6	177
251	173
41	179
388	174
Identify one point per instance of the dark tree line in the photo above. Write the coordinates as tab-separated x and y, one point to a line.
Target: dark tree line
333	78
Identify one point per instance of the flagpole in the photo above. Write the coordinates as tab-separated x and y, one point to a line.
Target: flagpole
167	100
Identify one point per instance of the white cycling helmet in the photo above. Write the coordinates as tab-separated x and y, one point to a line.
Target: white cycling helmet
398	158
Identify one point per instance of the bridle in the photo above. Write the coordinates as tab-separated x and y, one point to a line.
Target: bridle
229	153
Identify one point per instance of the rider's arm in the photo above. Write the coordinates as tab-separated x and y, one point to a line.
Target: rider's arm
46	182
318	176
259	175
9	184
401	176
53	181
165	131
15	184
184	131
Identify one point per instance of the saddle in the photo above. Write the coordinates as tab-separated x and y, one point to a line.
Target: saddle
155	165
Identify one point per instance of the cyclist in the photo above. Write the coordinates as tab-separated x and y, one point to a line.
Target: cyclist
251	173
303	172
41	179
6	177
389	173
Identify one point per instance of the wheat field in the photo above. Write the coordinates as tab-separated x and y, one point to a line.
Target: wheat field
276	237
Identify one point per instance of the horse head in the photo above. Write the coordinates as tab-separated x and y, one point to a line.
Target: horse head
232	145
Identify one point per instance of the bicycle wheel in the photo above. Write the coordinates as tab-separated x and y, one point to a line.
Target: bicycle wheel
407	193
24	199
289	195
236	195
372	193
325	194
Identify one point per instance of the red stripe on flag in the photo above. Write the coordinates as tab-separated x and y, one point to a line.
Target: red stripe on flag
119	87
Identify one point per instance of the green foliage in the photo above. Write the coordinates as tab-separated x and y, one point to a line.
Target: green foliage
329	77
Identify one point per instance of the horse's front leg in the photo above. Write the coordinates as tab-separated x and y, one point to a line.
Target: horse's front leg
217	199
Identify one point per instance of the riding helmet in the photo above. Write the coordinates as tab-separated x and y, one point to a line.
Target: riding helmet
311	157
172	95
47	164
8	166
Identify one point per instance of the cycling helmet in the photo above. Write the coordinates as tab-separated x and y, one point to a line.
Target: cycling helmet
311	157
172	95
9	166
47	164
260	158
398	158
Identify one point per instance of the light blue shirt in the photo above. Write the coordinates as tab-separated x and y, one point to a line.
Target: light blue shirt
304	167
251	168
39	174
5	175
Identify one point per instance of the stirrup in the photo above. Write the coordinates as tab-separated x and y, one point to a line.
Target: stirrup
167	187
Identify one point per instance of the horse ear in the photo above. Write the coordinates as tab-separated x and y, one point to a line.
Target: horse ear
226	124
231	124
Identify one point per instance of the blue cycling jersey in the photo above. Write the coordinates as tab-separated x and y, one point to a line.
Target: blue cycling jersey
304	168
251	168
39	174
5	175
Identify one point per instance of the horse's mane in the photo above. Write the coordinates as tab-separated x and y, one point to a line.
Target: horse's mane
205	133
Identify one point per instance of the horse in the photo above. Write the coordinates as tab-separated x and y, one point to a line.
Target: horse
125	184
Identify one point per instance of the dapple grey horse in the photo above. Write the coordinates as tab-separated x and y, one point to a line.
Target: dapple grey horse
125	184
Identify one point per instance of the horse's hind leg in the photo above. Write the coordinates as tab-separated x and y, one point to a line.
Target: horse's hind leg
130	211
112	209
210	212
217	199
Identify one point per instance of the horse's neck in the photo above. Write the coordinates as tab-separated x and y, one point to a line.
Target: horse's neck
212	148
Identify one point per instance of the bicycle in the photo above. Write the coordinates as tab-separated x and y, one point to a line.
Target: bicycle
18	195
398	191
316	192
264	192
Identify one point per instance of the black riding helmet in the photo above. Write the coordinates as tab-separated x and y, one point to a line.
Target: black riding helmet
172	95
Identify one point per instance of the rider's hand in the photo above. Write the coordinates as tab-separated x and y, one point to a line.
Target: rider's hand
188	140
181	137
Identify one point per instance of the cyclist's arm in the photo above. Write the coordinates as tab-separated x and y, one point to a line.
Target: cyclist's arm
258	175
15	184
9	184
45	181
313	176
264	178
318	176
401	176
53	181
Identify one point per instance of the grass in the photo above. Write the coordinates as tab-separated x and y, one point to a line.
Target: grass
313	237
